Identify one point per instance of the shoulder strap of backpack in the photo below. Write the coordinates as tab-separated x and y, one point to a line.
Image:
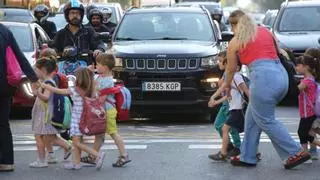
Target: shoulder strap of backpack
242	96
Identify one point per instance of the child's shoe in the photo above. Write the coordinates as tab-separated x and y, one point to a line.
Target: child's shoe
71	166
38	164
314	153
52	159
99	160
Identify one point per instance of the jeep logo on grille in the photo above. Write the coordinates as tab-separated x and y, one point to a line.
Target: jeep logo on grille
161	56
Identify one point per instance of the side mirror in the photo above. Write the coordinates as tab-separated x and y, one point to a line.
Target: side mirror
226	36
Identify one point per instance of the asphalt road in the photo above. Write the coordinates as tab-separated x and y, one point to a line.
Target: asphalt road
163	151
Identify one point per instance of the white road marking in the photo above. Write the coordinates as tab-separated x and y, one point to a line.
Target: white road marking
104	147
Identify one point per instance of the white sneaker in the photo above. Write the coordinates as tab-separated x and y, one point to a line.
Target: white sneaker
52	159
308	162
38	164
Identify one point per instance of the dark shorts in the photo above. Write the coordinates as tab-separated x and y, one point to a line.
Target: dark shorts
236	120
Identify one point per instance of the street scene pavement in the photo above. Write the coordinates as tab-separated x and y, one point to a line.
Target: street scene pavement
164	150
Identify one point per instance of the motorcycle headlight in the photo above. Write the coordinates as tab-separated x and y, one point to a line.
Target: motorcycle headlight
118	62
27	89
209	61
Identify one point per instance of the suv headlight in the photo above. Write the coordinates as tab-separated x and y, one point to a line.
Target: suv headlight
209	61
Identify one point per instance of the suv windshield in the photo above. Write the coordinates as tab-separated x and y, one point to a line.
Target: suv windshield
300	19
166	26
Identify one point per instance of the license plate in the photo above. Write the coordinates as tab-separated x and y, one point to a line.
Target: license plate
161	86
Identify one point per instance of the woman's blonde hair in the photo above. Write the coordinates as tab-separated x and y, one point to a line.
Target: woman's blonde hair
246	27
85	81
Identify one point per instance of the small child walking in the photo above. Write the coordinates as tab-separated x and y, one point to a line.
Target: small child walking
309	68
105	64
84	81
42	112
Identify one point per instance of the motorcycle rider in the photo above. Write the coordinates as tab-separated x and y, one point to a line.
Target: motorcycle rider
217	15
41	13
75	34
107	13
95	18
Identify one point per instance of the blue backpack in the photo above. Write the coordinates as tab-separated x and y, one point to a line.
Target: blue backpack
61	110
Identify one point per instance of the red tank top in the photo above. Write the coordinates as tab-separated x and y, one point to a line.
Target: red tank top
261	48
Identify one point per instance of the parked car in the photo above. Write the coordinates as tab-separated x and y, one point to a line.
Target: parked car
61	22
210	6
116	8
168	65
30	37
16	15
297	26
269	18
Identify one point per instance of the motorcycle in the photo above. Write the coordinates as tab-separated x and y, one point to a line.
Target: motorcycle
70	60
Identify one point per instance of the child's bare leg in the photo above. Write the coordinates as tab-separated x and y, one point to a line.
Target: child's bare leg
119	143
77	142
76	151
225	138
59	141
98	142
40	148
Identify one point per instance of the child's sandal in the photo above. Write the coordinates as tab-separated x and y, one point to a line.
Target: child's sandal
88	160
218	157
123	160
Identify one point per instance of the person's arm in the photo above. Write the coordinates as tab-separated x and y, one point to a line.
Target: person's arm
23	62
56	90
221	100
95	42
231	68
44	96
56	43
243	88
302	86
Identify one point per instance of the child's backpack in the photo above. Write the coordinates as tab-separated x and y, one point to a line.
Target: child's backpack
61	80
317	103
61	110
123	100
93	117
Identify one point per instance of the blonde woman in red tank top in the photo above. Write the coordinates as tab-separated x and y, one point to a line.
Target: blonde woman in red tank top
269	84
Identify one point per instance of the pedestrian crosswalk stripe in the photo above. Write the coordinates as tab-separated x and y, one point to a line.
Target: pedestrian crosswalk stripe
104	147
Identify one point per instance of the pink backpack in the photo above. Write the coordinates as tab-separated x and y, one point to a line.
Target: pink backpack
93	117
14	71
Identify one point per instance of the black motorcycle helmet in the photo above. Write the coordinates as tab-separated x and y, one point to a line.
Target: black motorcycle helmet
41	12
95	12
217	12
73	5
89	8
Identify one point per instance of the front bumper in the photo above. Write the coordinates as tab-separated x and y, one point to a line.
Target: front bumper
193	97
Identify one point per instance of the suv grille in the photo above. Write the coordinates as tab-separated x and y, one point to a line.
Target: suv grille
162	64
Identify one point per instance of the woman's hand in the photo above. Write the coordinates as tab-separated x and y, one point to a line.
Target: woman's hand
212	103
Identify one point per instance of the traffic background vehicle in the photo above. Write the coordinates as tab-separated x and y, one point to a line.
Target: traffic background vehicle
169	66
269	18
16	14
297	26
30	37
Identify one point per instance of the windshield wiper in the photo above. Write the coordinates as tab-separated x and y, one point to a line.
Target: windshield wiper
169	38
126	39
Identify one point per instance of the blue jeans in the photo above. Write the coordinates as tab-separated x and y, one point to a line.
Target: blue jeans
269	85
